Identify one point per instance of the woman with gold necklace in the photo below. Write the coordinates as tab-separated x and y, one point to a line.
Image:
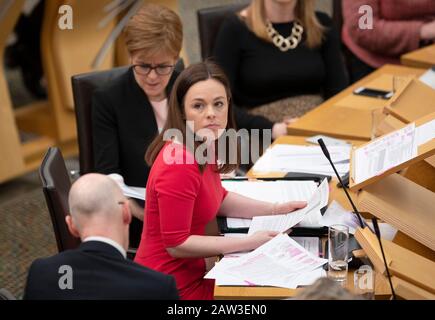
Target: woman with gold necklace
282	57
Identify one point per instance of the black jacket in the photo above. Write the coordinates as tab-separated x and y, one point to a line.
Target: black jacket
123	125
99	271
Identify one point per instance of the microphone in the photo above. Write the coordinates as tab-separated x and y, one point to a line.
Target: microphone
327	155
374	220
378	235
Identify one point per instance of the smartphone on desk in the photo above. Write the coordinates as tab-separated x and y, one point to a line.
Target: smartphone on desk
374	93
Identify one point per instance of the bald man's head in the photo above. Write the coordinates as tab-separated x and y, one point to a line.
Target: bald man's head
95	194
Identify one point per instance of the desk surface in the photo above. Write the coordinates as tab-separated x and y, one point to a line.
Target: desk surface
421	58
346	115
236	292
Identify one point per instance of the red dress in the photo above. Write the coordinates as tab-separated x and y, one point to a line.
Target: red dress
180	201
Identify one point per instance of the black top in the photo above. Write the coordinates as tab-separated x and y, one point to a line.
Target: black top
99	271
124	125
260	73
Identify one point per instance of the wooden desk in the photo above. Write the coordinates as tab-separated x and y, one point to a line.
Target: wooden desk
346	115
421	58
240	292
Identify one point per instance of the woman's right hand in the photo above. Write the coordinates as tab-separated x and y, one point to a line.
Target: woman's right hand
261	237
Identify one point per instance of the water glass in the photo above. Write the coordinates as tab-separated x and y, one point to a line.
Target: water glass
338	247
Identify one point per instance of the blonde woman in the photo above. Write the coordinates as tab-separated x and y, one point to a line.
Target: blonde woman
282	57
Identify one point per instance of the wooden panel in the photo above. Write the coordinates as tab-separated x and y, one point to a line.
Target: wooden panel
408	291
423	174
407	242
36	118
11	162
69	52
421	58
413	102
403	204
319	121
403	263
340	122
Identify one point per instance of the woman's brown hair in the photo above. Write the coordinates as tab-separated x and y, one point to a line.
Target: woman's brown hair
177	120
154	29
304	13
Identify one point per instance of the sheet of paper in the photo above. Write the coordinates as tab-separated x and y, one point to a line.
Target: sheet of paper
311	244
128	191
309	159
329	141
428	78
425	132
278	262
387	231
273	191
233	223
336	214
282	223
384	153
269	191
302	279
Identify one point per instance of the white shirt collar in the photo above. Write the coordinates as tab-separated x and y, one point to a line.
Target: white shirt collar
109	242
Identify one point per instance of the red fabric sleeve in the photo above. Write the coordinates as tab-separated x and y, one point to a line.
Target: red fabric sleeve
388	37
177	188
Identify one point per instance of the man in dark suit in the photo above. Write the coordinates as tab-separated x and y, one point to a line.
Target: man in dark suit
98	269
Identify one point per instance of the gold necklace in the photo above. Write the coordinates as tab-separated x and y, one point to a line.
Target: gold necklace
284	44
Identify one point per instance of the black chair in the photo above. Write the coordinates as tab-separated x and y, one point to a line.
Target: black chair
209	23
56	185
83	86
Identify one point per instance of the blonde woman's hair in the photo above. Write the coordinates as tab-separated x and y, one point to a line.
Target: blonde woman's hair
154	29
304	13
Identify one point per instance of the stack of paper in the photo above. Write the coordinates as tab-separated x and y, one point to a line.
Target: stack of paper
281	262
270	191
280	192
308	159
128	191
283	222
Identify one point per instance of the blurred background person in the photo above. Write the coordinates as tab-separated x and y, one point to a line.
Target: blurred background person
282	58
325	289
399	26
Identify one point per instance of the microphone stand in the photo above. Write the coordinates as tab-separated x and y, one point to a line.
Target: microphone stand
374	220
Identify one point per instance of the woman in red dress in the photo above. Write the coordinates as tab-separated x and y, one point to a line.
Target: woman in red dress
184	191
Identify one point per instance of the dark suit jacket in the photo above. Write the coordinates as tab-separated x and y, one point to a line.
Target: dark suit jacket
123	126
99	271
